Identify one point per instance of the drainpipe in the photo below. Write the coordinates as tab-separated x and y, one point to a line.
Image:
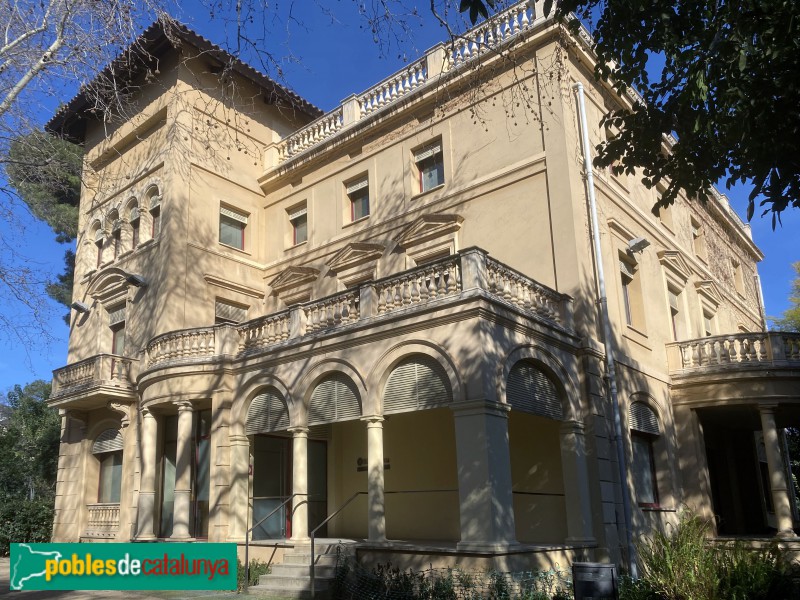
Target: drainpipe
608	335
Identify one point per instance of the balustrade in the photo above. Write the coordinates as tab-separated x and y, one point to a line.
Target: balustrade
492	33
93	371
316	131
393	87
264	332
513	287
429	282
191	343
740	349
103	521
332	312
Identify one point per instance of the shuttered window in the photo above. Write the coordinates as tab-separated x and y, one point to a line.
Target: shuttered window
334	399
417	383
108	441
268	412
225	312
530	390
643	419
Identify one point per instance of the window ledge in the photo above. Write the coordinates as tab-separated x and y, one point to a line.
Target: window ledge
239	250
356	222
303	243
636	336
426	192
657	508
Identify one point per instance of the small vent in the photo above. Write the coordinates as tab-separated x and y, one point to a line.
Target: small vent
108	441
268	412
116	316
417	383
428	152
529	390
229	313
334	399
644	419
232	214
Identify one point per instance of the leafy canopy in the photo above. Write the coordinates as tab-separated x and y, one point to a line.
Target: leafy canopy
790	321
728	91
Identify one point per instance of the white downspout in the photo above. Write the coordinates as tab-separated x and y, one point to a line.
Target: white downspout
607	334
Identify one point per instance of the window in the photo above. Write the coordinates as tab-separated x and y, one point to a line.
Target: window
108	450
155	217
674	312
632	309
228	312
738	278
232	225
430	166
708	324
644	436
298	219
665	216
98	242
358	193
116	320
135	222
698	240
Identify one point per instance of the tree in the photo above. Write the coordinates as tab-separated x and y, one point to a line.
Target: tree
790	321
720	78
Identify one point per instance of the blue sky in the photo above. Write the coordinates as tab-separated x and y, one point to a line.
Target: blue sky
331	58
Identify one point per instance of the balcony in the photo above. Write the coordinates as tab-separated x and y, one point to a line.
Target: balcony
92	382
103	522
471	273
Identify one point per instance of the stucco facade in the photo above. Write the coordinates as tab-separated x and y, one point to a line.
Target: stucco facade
396	303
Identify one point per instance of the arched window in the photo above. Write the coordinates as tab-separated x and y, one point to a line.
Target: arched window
98	237
116	232
153	196
416	383
268	412
334	399
107	448
134	220
531	390
645	430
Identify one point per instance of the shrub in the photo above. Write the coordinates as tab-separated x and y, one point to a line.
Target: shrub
25	521
257	569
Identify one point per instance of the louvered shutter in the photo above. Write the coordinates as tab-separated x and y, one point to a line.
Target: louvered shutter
427	152
232	214
417	383
334	399
643	419
108	441
268	412
530	390
116	316
230	313
356	186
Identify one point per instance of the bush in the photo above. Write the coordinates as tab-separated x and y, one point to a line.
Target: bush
257	569
25	521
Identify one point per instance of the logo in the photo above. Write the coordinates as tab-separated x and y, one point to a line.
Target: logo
158	566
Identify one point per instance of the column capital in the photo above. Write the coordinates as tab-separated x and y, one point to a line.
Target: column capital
373	420
238	440
148	413
572	426
123	409
184	405
768	408
298	431
474	407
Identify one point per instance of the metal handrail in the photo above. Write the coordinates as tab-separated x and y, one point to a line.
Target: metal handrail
314	532
249	531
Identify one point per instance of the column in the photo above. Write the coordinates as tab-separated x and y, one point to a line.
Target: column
240	487
147	493
181	512
484	476
376	513
576	483
777	477
299	483
126	487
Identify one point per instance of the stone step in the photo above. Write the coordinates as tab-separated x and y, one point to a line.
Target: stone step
291	583
270	592
303	570
299	558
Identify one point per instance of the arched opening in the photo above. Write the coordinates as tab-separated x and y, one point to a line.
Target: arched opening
534	425
421	503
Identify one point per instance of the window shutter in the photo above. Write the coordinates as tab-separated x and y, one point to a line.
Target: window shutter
359	185
268	412
116	316
230	312
627	269
232	214
417	383
117	226
297	212
334	399
643	418
529	390
427	152
108	441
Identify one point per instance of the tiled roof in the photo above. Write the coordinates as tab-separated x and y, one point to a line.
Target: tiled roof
156	40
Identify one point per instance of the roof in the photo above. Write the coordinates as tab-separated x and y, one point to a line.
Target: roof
157	40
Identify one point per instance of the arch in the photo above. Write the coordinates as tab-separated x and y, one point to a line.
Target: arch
642	417
152	189
111	219
267	412
251	388
109	440
96	231
334	399
564	379
417	382
385	365
112	278
530	389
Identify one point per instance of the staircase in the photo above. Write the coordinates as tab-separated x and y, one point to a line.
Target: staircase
292	579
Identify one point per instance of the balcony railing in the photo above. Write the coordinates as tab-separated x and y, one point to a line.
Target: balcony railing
103	520
424	286
103	369
759	349
486	37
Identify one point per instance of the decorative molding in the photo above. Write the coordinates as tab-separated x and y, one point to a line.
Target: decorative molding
293	284
429	227
676	265
233	287
123	409
355	254
709	291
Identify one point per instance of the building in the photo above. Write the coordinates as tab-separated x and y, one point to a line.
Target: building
394	304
